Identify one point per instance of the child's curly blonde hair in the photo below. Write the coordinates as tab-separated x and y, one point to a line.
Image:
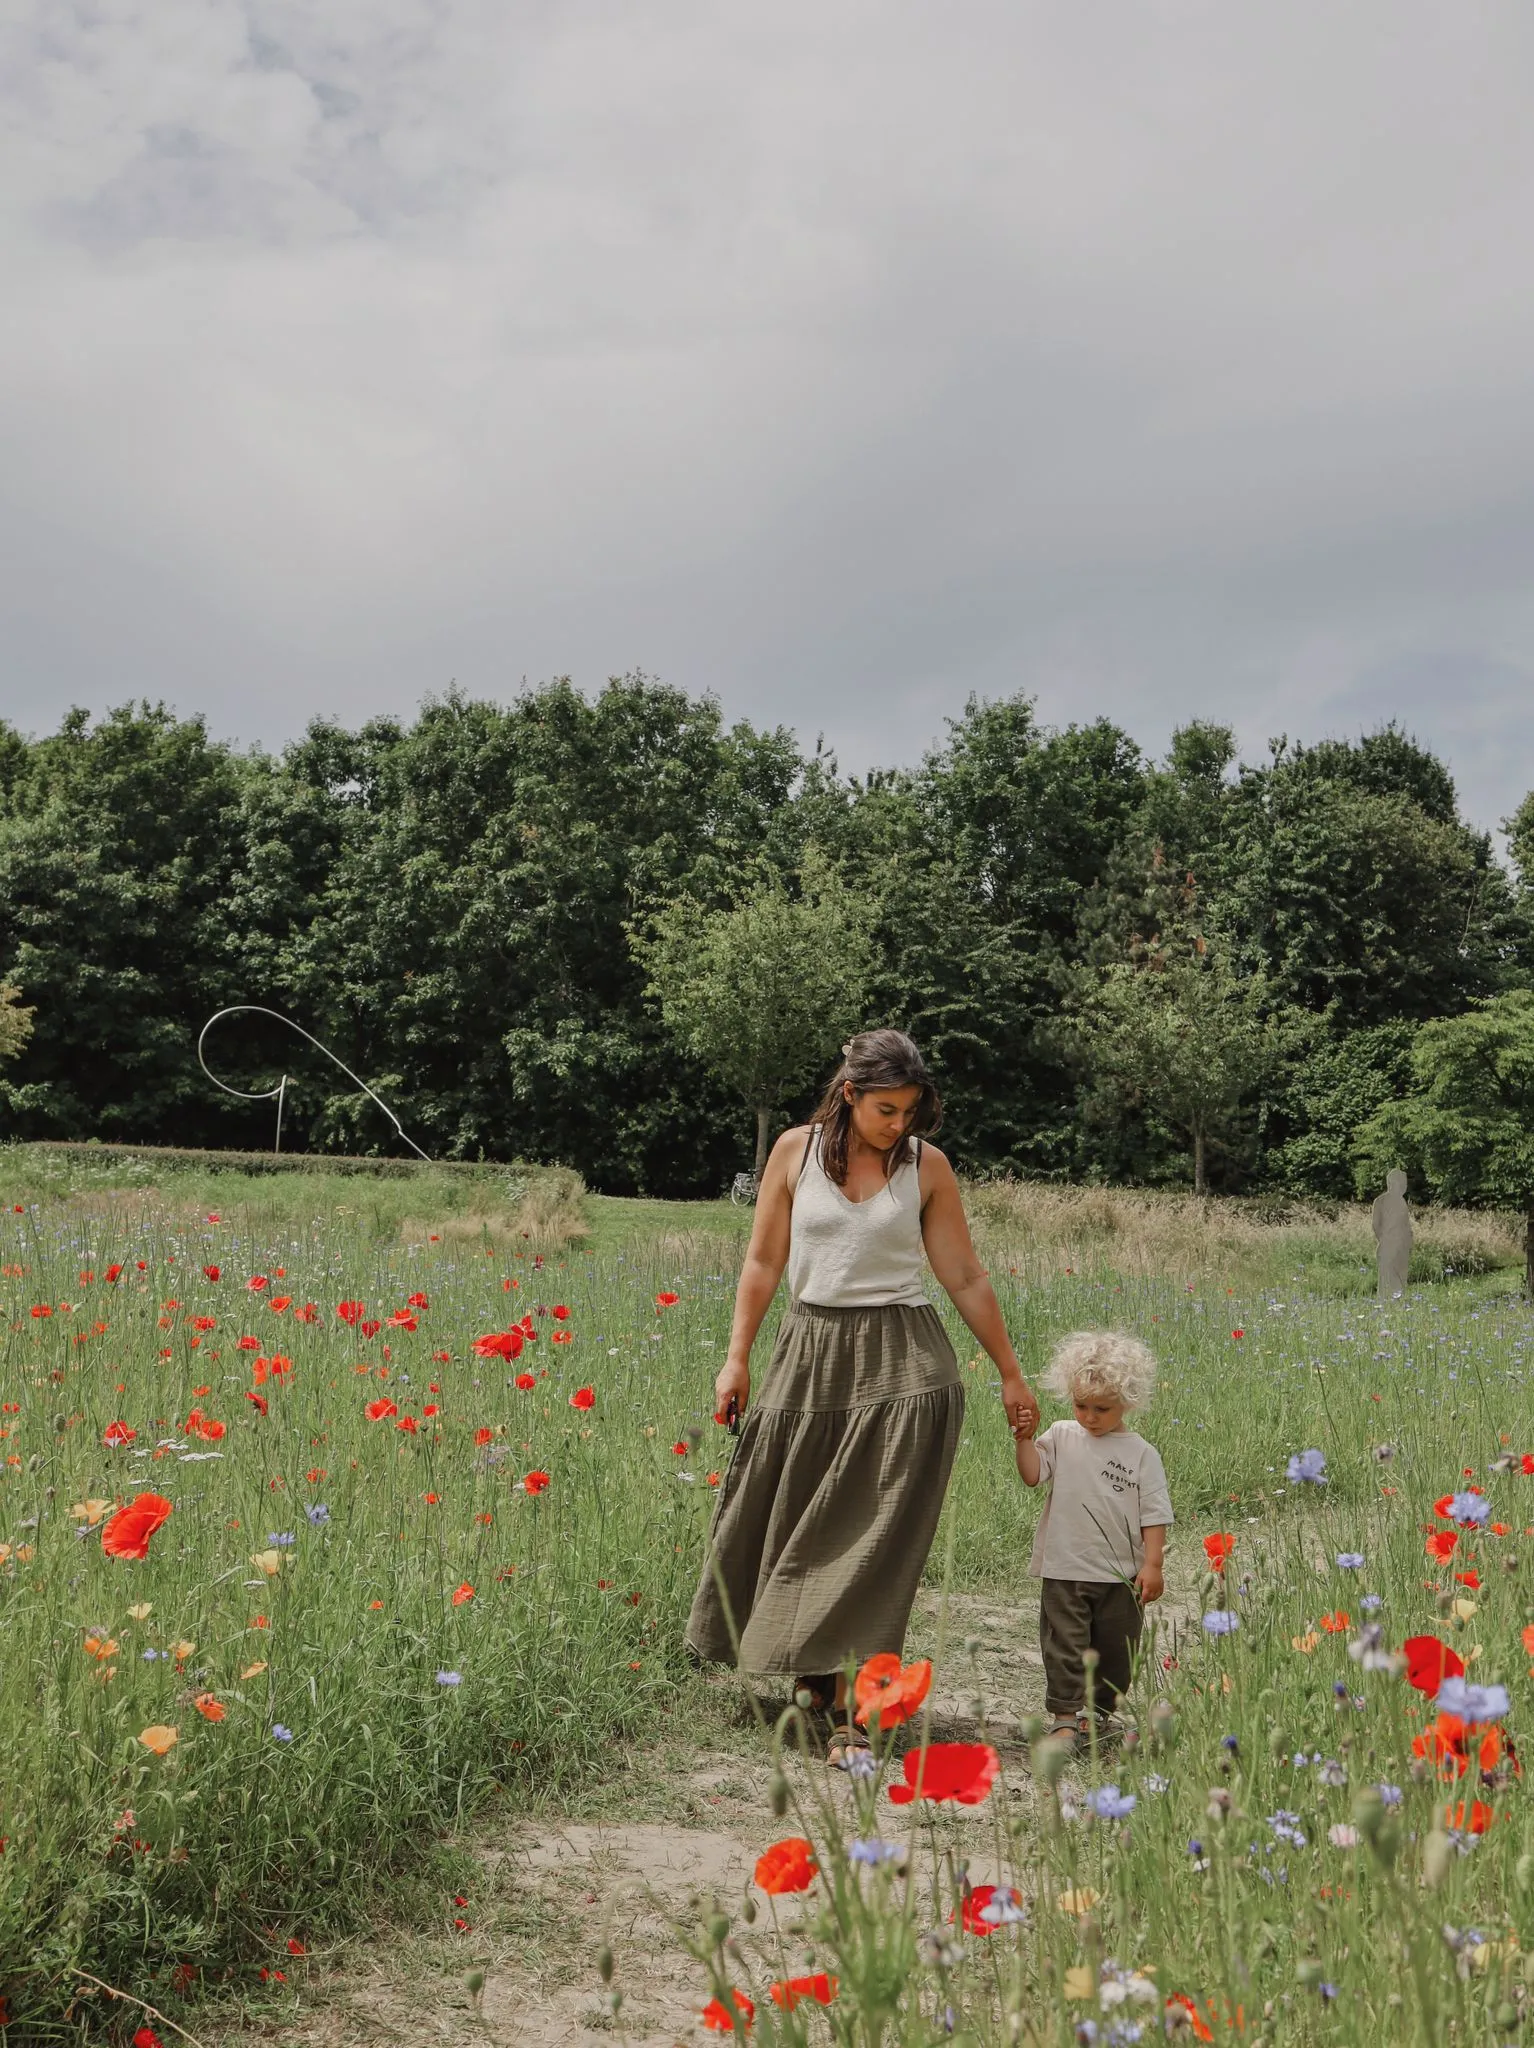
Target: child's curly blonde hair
1102	1362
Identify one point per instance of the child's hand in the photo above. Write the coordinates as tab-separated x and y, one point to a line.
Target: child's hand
1023	1432
1149	1583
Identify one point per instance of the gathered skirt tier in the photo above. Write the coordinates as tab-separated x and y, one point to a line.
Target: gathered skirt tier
830	1505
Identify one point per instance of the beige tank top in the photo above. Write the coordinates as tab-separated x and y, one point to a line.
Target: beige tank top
846	1254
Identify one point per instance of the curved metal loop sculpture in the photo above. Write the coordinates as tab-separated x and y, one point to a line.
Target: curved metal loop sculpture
279	1093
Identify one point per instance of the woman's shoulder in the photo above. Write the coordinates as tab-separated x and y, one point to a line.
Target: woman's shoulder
793	1141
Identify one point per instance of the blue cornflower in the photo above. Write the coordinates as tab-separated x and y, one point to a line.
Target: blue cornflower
281	1734
1350	1560
318	1515
873	1852
1109	1803
1287	1827
1470	1510
1389	1794
1372	1602
1230	1742
283	1540
1307	1468
1472	1702
450	1678
1219	1621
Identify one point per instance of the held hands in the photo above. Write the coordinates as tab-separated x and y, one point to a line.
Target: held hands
1022	1409
1149	1583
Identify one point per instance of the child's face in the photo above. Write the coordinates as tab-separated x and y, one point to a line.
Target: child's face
1098	1414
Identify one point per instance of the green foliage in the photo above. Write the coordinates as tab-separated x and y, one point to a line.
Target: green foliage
758	992
1467	1127
15	1022
1180	1034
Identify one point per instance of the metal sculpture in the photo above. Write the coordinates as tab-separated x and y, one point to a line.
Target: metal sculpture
279	1093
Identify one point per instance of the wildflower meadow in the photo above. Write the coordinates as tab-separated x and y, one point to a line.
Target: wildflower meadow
313	1542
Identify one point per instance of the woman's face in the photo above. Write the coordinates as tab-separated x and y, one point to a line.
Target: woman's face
881	1116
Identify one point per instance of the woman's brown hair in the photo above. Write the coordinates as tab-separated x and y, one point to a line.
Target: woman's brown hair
876	1059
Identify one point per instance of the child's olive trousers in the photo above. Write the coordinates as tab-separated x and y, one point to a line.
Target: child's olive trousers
1076	1615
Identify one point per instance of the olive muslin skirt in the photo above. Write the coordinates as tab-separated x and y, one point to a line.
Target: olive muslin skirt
832	1500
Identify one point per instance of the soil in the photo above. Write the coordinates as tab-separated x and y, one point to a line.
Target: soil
637	1864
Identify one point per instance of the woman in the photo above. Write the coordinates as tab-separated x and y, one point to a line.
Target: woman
832	1500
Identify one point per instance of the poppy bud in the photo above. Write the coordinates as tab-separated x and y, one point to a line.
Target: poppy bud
748	1910
1368	1812
1509	1561
777	1794
1278	1743
1090	1660
1523	1871
1032	1726
35	1463
615	2000
1507	2015
1437	1854
1308	1973
474	1984
60	1424
972	1646
716	1927
1163	1722
605	1963
1050	1758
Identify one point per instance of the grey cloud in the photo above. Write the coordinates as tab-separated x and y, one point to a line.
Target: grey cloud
1157	357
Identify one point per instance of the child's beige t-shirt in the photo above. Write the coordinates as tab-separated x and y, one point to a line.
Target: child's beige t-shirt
1103	1490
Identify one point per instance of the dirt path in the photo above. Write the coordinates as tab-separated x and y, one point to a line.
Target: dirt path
637	1861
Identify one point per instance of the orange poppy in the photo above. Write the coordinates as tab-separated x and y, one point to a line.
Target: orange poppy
788	1866
160	1740
210	1708
892	1690
1475	1818
463	1594
1441	1545
1334	1624
1195	2021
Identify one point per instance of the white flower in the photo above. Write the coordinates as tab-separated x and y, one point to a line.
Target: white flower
1342	1836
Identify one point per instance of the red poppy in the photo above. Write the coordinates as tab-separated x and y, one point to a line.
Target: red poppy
788	1866
113	1275
462	1594
381	1409
1334	1624
127	1533
716	2014
962	1771
1470	1579
484	1436
1476	1817
309	1313
371	1329
408	1424
205	1322
1447	1743
560	1313
583	1398
680	1449
1528	1639
248	1344
667	1300
525	1382
1238	1335
351	1312
1195	2022
118	1433
146	2037
1526	1463
505	1344
258	1401
1429	1662
417	1301
1441	1545
975	1902
1217	1548
211	1272
279	1302
788	1992
255	1283
892	1690
402	1319
536	1482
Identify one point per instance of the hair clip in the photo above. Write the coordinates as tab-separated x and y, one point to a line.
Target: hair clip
847	1050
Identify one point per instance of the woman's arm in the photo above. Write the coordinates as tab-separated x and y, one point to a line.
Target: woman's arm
766	1256
945	1233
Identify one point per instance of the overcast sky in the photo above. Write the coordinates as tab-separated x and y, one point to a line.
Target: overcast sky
1159	357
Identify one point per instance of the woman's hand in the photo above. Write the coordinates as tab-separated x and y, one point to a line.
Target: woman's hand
734	1379
1018	1400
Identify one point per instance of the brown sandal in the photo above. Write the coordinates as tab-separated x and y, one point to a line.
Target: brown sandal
847	1741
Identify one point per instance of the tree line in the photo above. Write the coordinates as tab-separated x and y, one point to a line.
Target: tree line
621	933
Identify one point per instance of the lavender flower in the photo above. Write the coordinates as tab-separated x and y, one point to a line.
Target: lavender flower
1109	1803
1472	1702
1220	1621
1306	1468
450	1678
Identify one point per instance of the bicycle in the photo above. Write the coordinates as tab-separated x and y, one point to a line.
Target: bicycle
744	1190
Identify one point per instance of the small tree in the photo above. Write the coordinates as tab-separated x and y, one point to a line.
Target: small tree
1467	1127
1178	1033
15	1022
759	992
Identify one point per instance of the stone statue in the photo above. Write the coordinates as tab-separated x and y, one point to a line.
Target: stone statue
1392	1233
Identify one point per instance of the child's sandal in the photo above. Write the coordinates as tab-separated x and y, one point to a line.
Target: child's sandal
846	1741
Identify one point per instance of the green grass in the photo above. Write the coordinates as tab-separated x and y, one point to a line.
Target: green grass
240	1843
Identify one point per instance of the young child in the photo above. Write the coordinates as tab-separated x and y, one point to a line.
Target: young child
1102	1536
